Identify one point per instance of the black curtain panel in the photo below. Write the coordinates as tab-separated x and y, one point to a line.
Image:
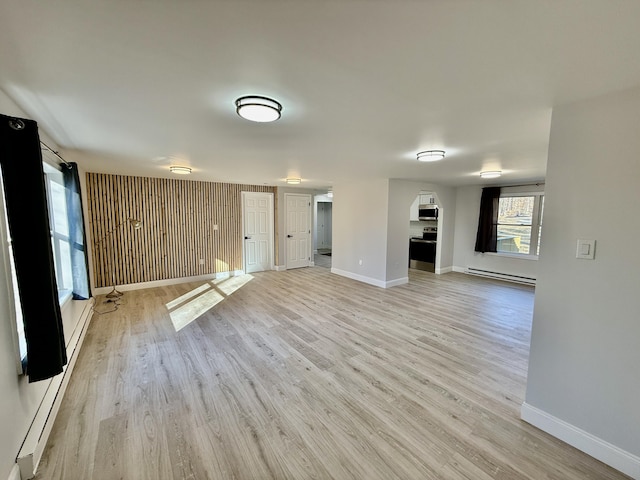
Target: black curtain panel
77	238
487	236
28	218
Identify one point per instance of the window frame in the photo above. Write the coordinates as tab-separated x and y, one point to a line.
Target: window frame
536	222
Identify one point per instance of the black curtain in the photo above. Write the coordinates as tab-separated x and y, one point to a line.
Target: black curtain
487	237
28	218
77	238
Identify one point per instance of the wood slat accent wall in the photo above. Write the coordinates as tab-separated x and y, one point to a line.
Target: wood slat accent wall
177	227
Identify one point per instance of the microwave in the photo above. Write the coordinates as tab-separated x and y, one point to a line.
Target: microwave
427	212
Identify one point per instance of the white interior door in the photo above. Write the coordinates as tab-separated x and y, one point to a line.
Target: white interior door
297	230
257	214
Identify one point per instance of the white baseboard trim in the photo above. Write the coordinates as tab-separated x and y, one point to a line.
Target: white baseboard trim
14	474
169	281
38	434
280	268
459	269
360	278
606	452
396	282
440	271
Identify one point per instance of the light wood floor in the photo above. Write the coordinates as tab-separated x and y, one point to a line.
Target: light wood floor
307	375
321	260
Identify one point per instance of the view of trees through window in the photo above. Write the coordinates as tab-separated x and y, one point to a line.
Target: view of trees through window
518	218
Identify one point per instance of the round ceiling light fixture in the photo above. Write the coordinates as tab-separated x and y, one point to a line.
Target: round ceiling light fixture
258	109
180	170
430	155
491	174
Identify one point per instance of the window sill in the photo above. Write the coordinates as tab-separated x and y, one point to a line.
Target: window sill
64	297
519	256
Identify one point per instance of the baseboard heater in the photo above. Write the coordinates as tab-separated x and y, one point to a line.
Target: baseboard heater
35	442
501	276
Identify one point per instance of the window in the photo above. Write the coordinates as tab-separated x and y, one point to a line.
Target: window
60	242
59	223
520	224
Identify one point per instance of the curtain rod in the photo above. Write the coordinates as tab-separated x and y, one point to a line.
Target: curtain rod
524	185
55	153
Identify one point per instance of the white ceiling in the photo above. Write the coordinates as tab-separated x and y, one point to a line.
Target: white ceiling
122	85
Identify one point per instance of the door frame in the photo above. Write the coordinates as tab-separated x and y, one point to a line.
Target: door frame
270	222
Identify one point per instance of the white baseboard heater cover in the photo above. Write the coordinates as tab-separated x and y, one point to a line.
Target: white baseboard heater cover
501	276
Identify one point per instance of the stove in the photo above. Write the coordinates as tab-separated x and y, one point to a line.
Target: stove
422	250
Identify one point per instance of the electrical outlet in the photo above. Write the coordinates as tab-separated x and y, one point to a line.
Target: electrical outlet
586	249
202	261
215	228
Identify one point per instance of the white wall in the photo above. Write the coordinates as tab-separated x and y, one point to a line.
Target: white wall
585	345
360	230
466	227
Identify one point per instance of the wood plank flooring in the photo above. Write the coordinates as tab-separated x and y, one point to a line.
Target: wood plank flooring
304	374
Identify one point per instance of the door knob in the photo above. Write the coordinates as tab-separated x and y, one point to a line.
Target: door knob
247	238
289	236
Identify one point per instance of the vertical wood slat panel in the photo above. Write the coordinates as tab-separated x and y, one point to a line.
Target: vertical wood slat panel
177	227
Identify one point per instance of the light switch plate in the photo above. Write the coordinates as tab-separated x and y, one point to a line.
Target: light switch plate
586	249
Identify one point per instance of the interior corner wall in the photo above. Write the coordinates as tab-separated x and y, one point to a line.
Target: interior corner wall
359	233
585	353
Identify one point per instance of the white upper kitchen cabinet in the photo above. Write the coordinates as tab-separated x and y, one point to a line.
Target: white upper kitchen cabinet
427	198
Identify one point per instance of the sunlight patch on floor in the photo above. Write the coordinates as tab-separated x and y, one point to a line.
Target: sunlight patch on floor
187	313
230	285
193	304
183	298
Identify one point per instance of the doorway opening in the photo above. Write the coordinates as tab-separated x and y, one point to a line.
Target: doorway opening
323	231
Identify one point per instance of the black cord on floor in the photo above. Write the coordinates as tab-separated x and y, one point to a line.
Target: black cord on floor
115	302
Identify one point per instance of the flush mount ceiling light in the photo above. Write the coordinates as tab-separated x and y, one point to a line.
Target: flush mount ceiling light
180	170
430	155
491	174
330	194
258	109
294	181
